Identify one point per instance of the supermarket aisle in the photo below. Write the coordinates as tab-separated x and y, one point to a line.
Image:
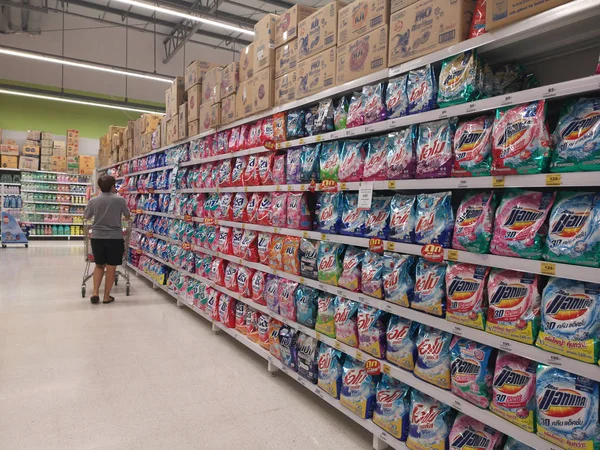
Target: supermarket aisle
138	374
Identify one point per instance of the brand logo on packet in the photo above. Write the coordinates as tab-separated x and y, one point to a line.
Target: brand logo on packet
467	143
352	216
470	216
511	381
399	220
462	289
365	321
341	316
431	152
578	128
512	133
425	223
464	370
327	263
569	224
508	295
568	307
325	361
521	218
424	416
419	92
355	377
429	347
376	219
556	402
428	284
470	439
398	333
388	397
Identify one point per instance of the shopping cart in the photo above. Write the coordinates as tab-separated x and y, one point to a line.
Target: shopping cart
89	256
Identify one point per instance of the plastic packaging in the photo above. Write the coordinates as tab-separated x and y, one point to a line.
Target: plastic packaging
465	294
434	219
421	89
474	222
433	360
435	157
472	370
473	148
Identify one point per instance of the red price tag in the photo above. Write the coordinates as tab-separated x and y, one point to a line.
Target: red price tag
149	234
329	186
150	191
186	246
376	245
209	221
373	367
433	252
187	218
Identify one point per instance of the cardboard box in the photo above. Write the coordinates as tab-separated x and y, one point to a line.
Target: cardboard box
34	135
230	78
156	139
318	31
168	94
137	145
195	71
73	164
193	103
211	86
27	142
72	150
286	25
397	5
175	129
46	135
29	162
228	110
205	117
163	131
58	163
9	161
286	58
194	127
285	89
417	31
46	143
45	160
152	122
177	96
59	152
316	73
244	106
60	144
9	149
215	115
30	150
13	142
499	14
264	42
183	120
72	135
361	17
263	89
47	151
247	63
363	56
87	164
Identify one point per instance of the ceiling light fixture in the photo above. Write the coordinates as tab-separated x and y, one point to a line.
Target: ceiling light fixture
174	12
69	62
77	102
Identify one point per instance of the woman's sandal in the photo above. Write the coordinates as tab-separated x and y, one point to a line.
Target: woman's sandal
111	299
95	299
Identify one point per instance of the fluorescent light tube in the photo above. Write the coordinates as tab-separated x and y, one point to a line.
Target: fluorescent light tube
77	102
183	15
68	62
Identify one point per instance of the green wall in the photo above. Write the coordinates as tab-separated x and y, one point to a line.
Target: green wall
23	113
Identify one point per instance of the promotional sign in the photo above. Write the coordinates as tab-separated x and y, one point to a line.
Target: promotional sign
11	231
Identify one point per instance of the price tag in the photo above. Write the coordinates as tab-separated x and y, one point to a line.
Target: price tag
452	255
359	355
339	292
507	100
555	360
390	246
553	179
276	229
548	268
303	187
289	187
365	195
322	287
284	369
302	280
301	141
350	132
391	185
471	107
463	183
369	129
498	182
337	345
458	330
305	234
550	92
274	271
386	369
278	187
343	186
319	138
457	404
245	188
323	237
388	308
300	380
506	345
443	114
319	391
318	335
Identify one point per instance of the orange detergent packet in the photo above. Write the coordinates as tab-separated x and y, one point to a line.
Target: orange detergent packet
291	255
276	252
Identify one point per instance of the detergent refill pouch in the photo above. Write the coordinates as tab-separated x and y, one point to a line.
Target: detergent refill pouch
325	314
468	433
567	409
401	341
306	305
577	137
346	328
472	371
430	288
458	79
328	214
421	89
308	357
465	285
430	423
378	218
570	322
401	158
287	346
574	229
372	323
513	390
350	277
329	160
358	388
433	356
474	222
435	157
392	406
330	370
329	262
352	218
402	218
434	219
398	278
473	147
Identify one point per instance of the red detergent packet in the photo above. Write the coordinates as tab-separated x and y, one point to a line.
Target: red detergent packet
252	207
249	247
263	247
222	142
478	22
237	173
213	305
298	214
244	135
224	211
217	271
279	210
254	135
279	170
252	316
268	130
250	177
231	273
276	252
225	236
227	311
291	255
225	170
209	145
244	281
263	331
265	168
236	242
234	140
239	211
263	216
240	317
258	287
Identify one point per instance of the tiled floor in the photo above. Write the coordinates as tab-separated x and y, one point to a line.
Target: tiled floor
137	374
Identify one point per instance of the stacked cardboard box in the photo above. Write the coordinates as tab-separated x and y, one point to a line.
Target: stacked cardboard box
46	150
230	80
9	155
175	96
194	82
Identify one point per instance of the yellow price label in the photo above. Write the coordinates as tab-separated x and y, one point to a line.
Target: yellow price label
302	187
274	271
548	268
391	185
453	255
278	187
275	229
337	345
386	369
302	280
323	237
318	335
498	182
553	179
305	234
343	186
245	188
390	247
243	226
301	141
218	190
319	138
287	144
289	186
359	355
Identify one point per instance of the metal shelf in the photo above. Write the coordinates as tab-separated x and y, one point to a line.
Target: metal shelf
54	192
54	182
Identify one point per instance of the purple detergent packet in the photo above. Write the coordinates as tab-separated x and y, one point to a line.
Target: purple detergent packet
270	292
375	109
279	169
401	157
372	327
421	90
378	218
293	173
435	157
352	218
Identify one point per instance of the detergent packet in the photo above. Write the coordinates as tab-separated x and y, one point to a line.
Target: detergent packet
352	160
330	370
513	390
292	166
287	347
402	218
352	218
291	255
401	342
306	305
459	79
421	89
512	443
371	274
577	137
372	323
309	163
468	433
358	388
473	148
345	321
573	232
285	299
434	149
567	409
308	357
329	160
329	262
340	114
520	140
308	258
398	278
434	219
392	406
430	288
274	347
433	356
430	423
378	218
270	292
325	323
474	222
570	322
401	158
264	324
472	371
465	284
519	228
514	305
350	277
328	212
396	97
376	158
